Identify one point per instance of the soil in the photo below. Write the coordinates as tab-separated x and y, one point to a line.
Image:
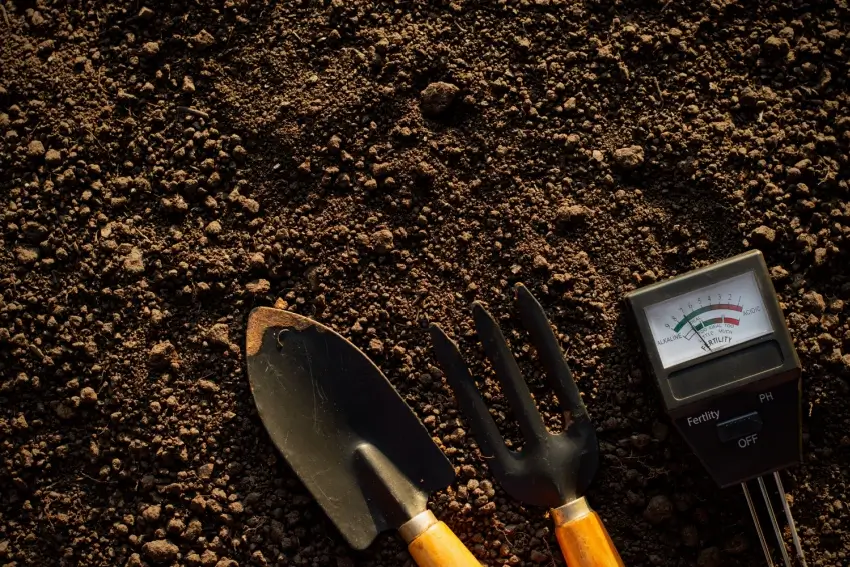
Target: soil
377	166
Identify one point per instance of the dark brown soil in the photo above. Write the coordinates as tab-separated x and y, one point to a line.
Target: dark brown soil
168	166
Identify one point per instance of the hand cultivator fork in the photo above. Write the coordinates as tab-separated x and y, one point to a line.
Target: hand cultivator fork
551	470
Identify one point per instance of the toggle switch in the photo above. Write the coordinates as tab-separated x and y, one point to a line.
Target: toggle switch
738	427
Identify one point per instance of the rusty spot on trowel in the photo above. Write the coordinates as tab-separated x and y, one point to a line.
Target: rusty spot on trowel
264	318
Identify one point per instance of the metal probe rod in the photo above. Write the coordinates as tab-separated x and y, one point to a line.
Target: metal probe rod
794	536
758	524
776	529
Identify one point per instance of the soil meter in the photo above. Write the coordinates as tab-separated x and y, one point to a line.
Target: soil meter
725	364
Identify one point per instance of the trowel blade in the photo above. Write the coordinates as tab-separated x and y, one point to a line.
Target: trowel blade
344	430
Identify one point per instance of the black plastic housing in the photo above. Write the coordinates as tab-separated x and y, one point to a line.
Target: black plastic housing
739	409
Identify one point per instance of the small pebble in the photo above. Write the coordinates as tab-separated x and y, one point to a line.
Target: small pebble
814	302
660	508
628	158
382	240
205	471
160	550
35	149
219	334
763	236
150	49
88	395
162	355
213	228
437	97
152	513
202	40
53	157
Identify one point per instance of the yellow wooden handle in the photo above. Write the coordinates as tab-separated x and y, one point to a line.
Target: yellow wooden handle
583	538
438	546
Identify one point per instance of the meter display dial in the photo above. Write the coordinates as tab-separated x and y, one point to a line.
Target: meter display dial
708	319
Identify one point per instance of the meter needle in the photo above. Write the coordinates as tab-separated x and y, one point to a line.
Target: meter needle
700	336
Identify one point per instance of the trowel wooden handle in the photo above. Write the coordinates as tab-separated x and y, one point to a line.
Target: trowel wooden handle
583	538
432	543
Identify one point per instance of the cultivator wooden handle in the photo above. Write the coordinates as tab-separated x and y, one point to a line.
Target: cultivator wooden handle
583	538
432	543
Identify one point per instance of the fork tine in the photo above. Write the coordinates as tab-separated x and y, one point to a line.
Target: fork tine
505	367
468	398
552	358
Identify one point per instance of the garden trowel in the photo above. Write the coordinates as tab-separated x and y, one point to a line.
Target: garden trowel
349	436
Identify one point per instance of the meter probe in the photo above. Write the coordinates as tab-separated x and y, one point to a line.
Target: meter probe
729	376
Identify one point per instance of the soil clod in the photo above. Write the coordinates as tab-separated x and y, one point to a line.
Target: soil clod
160	550
437	97
629	158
